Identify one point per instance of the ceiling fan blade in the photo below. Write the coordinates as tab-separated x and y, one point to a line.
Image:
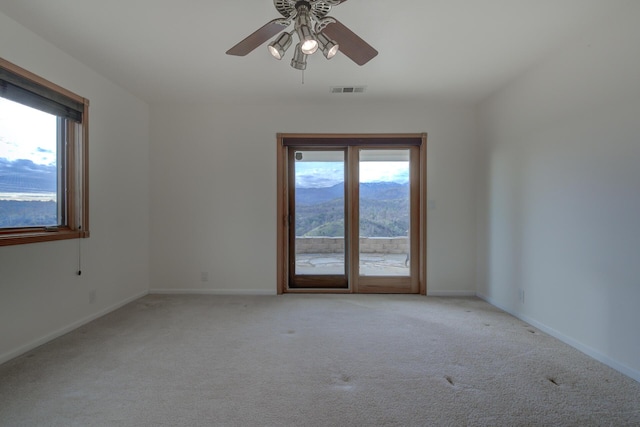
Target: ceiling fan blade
358	50
256	38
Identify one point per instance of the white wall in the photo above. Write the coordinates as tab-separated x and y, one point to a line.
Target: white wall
559	193
213	197
40	294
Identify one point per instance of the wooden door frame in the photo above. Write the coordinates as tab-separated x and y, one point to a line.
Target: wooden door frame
282	250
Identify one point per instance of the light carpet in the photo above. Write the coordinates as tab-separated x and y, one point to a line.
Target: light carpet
312	360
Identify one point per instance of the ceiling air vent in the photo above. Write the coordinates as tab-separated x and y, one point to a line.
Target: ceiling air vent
348	89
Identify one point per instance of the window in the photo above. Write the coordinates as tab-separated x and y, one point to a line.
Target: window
43	159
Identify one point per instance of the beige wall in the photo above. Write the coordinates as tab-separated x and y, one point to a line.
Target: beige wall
40	294
559	199
213	188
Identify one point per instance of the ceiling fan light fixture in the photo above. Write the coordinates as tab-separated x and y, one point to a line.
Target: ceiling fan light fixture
329	47
299	61
309	47
303	26
279	46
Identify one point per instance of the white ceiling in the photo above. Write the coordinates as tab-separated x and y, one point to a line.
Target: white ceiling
444	50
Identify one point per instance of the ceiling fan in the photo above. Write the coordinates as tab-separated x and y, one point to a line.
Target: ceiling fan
315	31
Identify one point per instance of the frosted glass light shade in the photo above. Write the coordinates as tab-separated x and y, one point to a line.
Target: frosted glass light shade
309	46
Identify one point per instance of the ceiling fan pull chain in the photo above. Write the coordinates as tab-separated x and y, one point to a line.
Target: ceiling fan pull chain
302	76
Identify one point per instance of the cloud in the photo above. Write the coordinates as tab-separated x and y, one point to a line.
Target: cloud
318	174
314	181
328	174
24	176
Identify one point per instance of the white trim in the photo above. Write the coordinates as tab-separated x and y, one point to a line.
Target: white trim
589	351
451	293
258	292
58	333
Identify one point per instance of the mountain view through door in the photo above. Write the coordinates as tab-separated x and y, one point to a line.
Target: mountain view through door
383	222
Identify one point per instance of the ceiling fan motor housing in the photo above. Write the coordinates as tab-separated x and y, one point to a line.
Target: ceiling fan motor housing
289	8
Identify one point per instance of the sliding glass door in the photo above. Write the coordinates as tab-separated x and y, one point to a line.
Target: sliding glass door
386	199
352	215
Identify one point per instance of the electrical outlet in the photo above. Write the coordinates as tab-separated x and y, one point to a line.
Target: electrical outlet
204	276
92	296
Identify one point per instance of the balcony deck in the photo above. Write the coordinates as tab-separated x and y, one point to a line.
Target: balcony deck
371	264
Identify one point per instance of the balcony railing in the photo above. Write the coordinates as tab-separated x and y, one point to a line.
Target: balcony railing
370	245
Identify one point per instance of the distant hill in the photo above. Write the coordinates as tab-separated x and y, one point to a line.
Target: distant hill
313	196
384	210
27	214
384	190
377	190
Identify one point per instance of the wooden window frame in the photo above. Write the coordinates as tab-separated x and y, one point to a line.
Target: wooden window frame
76	171
328	140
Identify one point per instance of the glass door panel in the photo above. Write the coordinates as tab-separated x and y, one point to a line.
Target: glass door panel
384	213
386	220
317	226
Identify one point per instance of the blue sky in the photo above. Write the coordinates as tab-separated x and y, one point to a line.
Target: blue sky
27	133
27	149
327	174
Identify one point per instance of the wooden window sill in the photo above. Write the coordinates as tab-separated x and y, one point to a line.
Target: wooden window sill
25	236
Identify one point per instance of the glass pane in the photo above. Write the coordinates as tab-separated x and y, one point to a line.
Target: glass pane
319	213
384	212
28	166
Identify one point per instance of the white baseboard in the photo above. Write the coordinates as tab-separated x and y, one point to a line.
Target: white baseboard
258	292
58	333
591	352
451	293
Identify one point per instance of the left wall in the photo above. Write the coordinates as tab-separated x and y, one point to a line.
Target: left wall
41	296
